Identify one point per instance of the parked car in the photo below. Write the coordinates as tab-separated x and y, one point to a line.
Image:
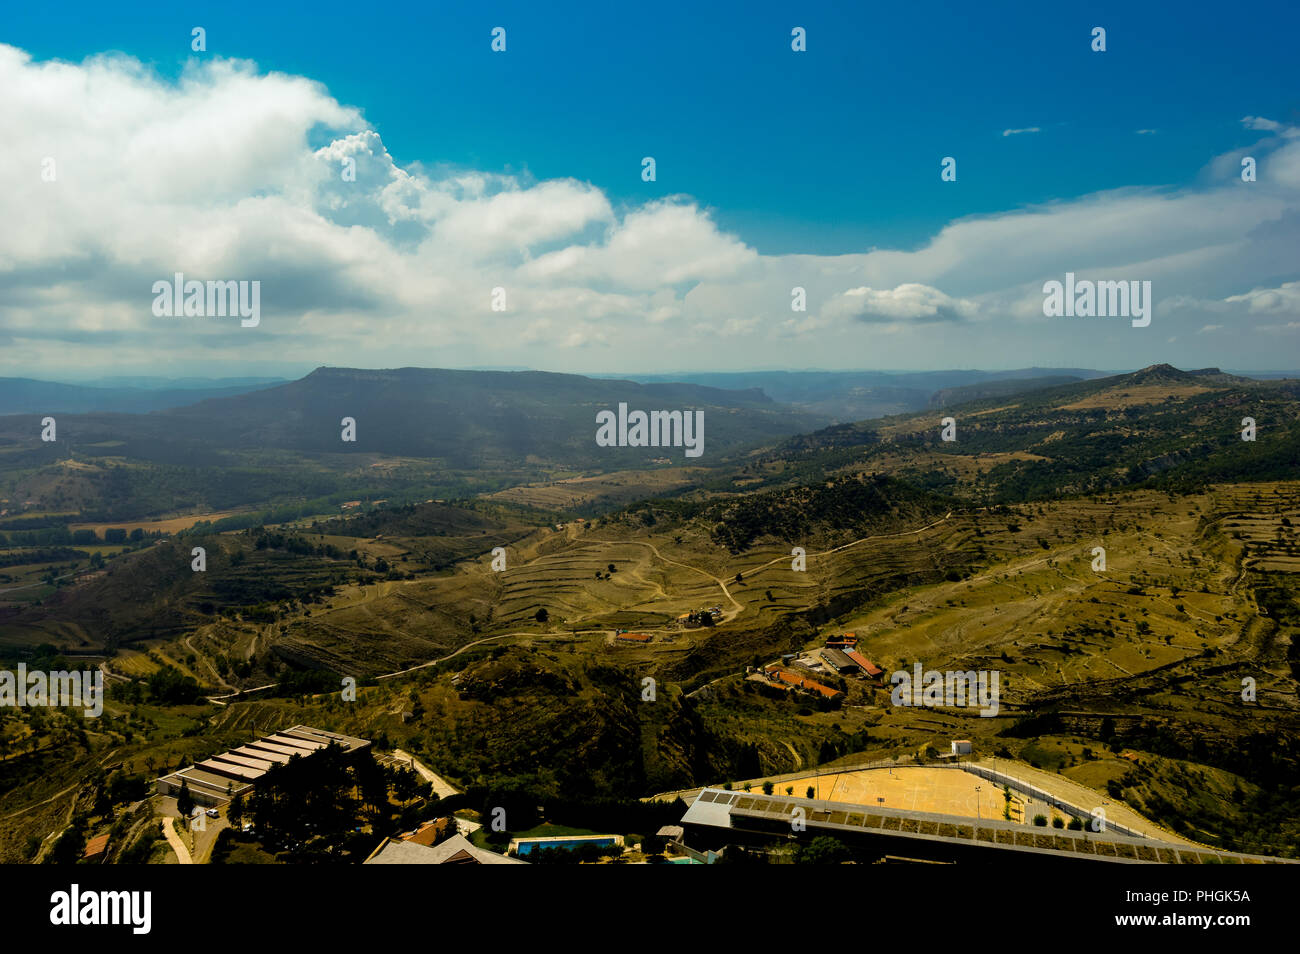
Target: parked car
213	813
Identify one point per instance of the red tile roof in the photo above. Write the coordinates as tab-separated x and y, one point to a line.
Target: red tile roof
870	668
794	679
428	833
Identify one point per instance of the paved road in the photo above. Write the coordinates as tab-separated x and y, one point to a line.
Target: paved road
240	692
441	787
178	846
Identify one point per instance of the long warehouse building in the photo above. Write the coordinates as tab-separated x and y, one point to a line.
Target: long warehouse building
214	781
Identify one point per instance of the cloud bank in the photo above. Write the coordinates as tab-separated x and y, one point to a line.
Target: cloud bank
116	178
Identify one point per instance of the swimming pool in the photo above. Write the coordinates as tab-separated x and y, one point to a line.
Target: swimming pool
568	844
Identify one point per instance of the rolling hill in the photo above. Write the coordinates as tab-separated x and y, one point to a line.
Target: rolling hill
1158	425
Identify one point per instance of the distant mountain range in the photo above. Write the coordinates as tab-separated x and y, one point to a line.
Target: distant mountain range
431	432
835	396
481	420
117	395
478	418
845	396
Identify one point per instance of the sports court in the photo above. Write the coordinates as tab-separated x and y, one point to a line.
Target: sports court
914	788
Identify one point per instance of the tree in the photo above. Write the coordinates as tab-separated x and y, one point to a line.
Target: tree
822	850
1040	821
69	848
812	792
103	803
767	788
406	785
236	810
184	800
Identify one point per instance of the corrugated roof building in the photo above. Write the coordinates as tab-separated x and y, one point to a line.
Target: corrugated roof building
456	850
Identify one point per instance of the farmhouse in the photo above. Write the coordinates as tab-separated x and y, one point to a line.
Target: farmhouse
793	679
700	617
869	669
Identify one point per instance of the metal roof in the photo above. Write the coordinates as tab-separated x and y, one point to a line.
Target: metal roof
736	810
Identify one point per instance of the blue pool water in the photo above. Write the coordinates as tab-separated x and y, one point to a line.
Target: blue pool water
566	843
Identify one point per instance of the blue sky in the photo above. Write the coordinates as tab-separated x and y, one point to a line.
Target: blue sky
829	153
835	151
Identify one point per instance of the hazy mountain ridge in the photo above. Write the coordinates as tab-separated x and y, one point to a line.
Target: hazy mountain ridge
448	433
862	395
31	396
473	417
